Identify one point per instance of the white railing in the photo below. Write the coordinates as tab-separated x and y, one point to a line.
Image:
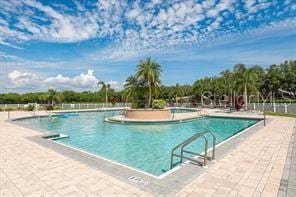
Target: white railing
67	106
271	107
289	108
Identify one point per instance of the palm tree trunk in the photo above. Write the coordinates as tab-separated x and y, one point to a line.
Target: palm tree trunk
106	96
150	95
246	96
201	98
230	99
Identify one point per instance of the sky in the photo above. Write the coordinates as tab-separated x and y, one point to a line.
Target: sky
65	44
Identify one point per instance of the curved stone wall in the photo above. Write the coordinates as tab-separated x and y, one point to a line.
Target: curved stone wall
148	114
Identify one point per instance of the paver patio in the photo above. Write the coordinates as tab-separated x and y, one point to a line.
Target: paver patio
254	168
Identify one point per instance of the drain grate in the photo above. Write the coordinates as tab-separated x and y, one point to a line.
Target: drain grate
138	180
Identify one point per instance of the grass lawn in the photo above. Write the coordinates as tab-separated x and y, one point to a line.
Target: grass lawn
280	114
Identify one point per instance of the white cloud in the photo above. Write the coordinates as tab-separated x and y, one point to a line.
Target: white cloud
83	81
138	25
115	85
12	62
22	78
133	13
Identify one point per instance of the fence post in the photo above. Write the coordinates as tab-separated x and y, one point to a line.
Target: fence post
264	117
254	106
274	107
34	110
286	108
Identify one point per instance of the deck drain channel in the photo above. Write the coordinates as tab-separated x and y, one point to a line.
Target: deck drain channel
138	180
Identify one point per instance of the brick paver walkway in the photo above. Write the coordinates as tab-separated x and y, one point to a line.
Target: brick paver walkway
252	169
28	169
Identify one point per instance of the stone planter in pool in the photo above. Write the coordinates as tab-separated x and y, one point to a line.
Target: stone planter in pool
148	114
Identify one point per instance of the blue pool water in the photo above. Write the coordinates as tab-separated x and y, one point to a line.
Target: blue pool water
145	147
182	110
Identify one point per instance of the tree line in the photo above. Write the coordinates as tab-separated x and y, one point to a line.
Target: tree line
275	81
65	96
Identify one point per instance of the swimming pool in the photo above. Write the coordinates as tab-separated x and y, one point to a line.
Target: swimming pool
145	147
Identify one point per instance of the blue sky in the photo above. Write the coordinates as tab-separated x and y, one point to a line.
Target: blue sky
72	44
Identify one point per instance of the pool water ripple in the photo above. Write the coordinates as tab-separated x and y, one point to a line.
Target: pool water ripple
145	147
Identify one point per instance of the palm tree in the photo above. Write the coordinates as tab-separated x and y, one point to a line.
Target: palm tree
200	87
245	80
149	71
53	97
229	83
105	87
177	91
131	87
272	80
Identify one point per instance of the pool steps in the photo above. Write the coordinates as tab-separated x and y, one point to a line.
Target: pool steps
56	136
188	141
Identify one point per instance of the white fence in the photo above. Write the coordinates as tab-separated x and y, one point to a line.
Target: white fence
289	108
272	107
12	105
67	106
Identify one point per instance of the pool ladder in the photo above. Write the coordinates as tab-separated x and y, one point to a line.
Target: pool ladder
189	141
123	113
204	113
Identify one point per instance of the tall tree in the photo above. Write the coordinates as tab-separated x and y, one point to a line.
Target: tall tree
178	91
288	71
149	71
201	87
53	96
131	87
104	87
272	80
245	80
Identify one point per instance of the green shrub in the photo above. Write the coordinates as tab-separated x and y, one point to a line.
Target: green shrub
158	104
57	108
30	107
9	109
1	109
49	107
134	105
280	114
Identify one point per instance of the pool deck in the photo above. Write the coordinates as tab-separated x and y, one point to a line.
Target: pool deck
262	164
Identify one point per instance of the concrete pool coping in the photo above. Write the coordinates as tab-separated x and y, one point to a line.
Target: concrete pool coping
122	119
171	182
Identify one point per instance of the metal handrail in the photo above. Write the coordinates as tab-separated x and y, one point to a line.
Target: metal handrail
123	112
204	113
214	144
190	140
205	150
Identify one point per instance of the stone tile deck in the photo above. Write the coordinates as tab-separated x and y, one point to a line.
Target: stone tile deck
254	168
28	169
